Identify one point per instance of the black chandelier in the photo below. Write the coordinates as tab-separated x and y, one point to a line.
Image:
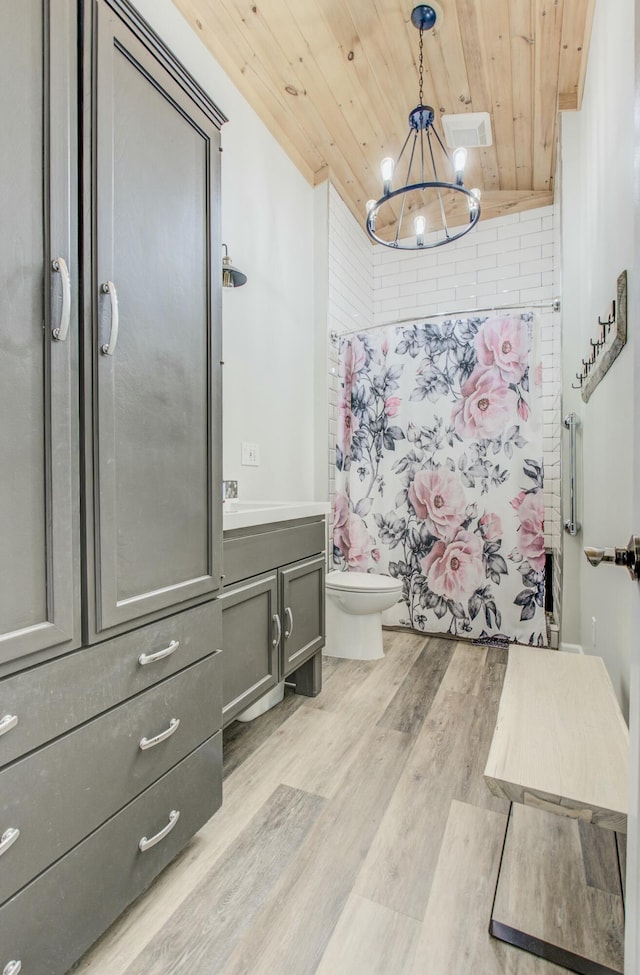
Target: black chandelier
421	196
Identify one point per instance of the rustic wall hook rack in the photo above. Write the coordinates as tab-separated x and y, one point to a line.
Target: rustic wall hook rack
607	346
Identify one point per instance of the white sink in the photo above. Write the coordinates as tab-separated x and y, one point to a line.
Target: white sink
244	514
233	504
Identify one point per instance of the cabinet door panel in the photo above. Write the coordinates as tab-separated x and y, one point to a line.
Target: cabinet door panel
38	493
303	620
157	510
249	656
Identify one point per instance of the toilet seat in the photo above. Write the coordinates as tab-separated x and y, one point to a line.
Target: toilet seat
362	582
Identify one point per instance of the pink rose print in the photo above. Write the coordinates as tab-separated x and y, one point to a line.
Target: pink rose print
504	343
537	375
392	405
531	537
360	543
438	499
340	520
353	361
347	425
487	407
523	410
455	570
491	527
350	536
517	501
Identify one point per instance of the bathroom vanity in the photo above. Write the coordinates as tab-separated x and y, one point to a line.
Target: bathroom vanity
273	600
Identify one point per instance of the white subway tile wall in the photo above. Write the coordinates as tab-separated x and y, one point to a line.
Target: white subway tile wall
506	260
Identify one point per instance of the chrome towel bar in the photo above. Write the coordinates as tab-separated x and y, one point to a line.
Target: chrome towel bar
572	525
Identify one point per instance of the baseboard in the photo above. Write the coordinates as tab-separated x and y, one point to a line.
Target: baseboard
571	647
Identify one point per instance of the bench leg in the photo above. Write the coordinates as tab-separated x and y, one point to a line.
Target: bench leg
539	853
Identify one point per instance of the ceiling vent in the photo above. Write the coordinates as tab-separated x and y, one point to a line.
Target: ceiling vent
467	129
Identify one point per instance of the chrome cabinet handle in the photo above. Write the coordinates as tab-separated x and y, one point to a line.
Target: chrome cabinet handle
7	723
8	838
150	658
276	620
289	615
12	968
145	743
60	332
146	844
110	347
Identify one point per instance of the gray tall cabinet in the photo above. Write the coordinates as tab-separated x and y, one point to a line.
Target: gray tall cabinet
110	524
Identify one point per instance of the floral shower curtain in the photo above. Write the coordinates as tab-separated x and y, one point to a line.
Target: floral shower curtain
439	478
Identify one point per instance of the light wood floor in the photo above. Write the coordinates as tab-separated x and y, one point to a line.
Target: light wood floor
357	836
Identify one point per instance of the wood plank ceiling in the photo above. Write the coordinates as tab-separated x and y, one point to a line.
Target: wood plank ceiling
334	81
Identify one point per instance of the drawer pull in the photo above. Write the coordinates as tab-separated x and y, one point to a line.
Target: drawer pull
6	724
150	658
276	640
150	742
12	968
289	615
8	838
146	844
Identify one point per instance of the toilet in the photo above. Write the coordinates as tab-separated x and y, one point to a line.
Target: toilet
355	604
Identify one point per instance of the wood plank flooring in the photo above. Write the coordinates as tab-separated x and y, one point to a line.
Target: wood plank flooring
356	837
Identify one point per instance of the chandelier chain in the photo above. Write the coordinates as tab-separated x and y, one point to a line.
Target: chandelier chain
421	65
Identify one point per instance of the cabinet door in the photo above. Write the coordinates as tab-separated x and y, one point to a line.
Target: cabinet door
38	374
156	336
251	633
303	616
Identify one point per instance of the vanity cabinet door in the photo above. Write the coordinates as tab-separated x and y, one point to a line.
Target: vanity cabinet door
251	631
156	333
38	368
303	611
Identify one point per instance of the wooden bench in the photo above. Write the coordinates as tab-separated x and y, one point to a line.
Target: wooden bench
560	755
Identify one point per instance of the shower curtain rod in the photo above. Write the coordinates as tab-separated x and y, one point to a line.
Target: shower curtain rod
554	305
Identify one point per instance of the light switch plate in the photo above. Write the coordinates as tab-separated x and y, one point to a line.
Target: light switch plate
250	455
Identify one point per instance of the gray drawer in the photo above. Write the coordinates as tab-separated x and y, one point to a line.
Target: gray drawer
50	923
62	792
248	552
54	697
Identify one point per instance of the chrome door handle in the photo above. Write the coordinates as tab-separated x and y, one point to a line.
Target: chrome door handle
145	743
628	557
12	968
289	615
7	723
110	347
150	658
60	332
146	844
276	619
8	838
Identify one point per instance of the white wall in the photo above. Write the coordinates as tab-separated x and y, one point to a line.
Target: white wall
350	297
597	229
268	325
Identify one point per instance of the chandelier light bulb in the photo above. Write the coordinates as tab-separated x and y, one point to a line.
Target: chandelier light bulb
420	225
386	169
372	217
459	162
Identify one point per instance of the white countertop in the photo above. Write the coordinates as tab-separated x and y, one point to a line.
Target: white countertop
244	514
